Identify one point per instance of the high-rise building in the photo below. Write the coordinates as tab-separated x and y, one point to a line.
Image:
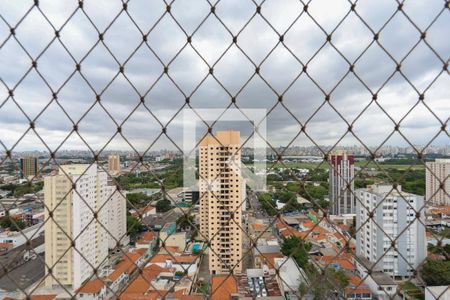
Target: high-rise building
437	174
341	184
387	217
220	188
117	217
74	237
28	166
114	164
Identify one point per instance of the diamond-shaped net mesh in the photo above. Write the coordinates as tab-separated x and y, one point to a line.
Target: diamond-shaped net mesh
356	99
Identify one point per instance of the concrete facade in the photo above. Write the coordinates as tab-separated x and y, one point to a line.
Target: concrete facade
341	183
394	219
437	173
72	211
117	217
114	164
28	167
220	186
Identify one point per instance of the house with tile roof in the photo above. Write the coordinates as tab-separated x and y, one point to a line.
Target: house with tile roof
92	290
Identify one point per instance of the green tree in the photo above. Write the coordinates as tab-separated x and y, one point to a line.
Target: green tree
318	175
204	288
293	187
13	224
352	229
315	192
134	226
163	205
363	183
267	203
285	196
296	248
291	206
185	221
137	200
327	285
436	272
22	190
274	177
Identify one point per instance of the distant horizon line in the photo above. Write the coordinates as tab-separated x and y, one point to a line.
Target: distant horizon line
175	151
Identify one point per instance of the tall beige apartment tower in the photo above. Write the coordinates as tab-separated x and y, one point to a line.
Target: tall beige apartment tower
114	164
220	185
438	172
73	211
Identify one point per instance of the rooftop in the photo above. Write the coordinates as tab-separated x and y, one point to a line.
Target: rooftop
141	284
91	287
127	264
223	286
269	258
290	274
147	237
341	262
180	259
382	278
168	226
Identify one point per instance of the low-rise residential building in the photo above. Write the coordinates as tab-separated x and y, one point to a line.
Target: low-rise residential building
290	276
140	286
112	281
166	230
155	283
148	211
357	289
223	287
149	241
94	289
143	213
181	262
170	238
265	255
381	284
5	248
438	217
122	271
177	239
340	262
183	195
259	228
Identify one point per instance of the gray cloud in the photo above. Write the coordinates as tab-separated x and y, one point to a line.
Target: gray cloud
233	70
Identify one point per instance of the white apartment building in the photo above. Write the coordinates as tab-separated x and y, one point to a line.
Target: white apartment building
220	185
437	173
117	217
75	241
394	218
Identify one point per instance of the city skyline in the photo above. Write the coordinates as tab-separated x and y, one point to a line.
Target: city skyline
385	149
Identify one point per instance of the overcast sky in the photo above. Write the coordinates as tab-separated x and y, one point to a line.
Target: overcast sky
164	96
